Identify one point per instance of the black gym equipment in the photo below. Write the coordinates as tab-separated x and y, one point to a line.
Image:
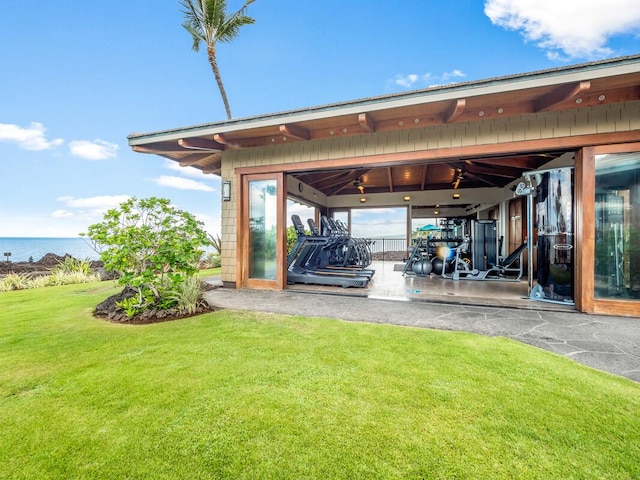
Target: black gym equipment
555	248
501	270
333	259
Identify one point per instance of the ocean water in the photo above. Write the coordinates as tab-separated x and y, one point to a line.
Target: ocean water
24	248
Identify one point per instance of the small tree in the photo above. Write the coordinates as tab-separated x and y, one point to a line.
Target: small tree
152	245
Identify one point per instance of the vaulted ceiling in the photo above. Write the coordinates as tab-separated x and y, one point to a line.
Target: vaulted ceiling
452	175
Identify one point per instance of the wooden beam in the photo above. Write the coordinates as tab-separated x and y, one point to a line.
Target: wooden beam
220	138
366	122
390	177
157	149
481	178
559	95
191	160
496	171
330	180
195	158
423	182
200	144
295	131
141	149
455	110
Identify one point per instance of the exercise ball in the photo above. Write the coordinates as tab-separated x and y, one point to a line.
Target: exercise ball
422	267
436	265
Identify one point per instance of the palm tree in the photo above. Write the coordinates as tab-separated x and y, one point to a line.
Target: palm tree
207	21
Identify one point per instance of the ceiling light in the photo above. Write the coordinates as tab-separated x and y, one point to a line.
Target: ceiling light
362	199
456	196
406	198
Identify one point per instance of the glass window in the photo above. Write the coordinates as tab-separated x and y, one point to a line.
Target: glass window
262	229
617	226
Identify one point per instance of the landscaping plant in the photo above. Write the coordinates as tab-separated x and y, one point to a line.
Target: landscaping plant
153	246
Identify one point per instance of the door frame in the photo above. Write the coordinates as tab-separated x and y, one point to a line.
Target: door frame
242	240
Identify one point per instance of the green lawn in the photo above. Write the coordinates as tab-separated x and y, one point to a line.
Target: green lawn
248	395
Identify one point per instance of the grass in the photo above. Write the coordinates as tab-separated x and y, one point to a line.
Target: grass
248	395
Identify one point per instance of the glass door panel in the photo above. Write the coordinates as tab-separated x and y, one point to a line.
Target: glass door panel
617	227
263	207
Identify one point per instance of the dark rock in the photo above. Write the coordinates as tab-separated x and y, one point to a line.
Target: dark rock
109	310
110	306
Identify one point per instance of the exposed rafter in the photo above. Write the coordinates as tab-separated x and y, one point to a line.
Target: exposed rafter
423	182
390	178
187	162
367	123
200	144
455	110
220	138
328	180
158	149
481	178
295	131
502	171
560	94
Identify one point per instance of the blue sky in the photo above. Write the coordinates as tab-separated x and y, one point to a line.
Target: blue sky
77	77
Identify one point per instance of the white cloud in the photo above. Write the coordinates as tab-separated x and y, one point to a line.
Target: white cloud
95	150
453	74
414	80
188	171
575	28
79	213
61	214
182	183
99	203
406	80
29	138
211	224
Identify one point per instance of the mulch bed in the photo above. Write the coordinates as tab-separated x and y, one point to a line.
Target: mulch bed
109	310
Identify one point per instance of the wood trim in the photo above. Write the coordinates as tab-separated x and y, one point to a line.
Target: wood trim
242	239
616	307
584	198
242	245
444	154
601	305
622	148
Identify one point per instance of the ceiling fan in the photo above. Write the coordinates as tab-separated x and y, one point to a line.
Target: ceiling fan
359	184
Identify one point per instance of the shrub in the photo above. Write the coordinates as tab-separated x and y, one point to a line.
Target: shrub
14	281
73	265
61	277
187	295
153	246
212	260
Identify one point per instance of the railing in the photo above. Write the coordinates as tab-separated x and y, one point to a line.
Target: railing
384	245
